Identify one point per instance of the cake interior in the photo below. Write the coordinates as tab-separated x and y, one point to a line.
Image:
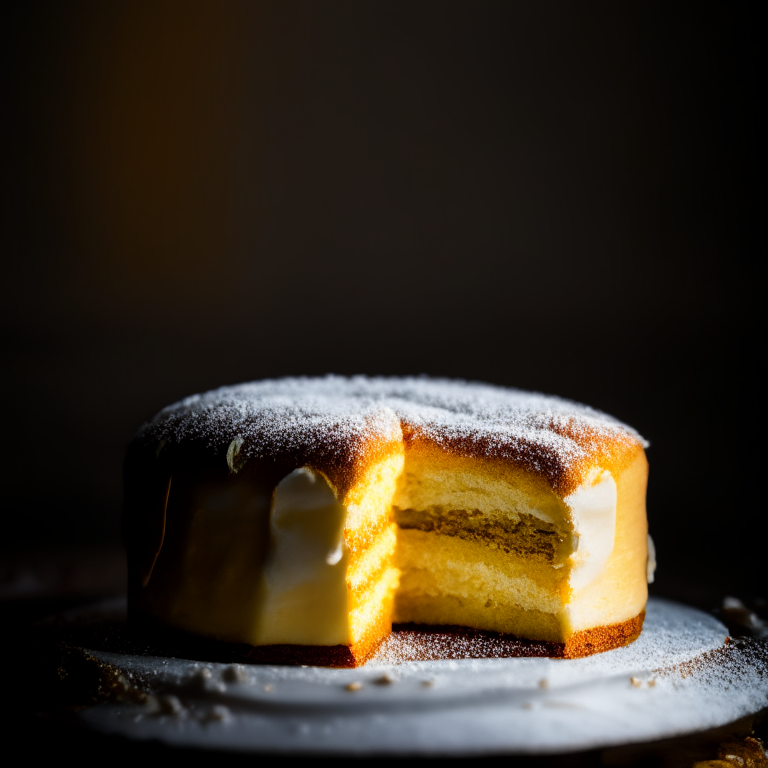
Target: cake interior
494	548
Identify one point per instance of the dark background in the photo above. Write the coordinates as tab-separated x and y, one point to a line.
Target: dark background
556	196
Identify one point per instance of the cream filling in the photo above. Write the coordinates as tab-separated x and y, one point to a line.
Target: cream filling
370	564
434	565
650	567
304	576
593	515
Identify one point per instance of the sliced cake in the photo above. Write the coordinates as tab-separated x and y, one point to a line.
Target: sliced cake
288	519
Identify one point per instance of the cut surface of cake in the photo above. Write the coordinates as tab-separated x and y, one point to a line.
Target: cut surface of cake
295	519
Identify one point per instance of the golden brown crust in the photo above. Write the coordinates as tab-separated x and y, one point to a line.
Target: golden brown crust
599	639
340	426
428	643
343	462
613	453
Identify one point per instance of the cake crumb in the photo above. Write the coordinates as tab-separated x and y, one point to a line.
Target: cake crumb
427	683
268	688
235	674
218	713
543	683
636	681
165	705
385	679
204	679
355	686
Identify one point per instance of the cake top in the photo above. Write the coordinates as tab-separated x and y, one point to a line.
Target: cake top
338	419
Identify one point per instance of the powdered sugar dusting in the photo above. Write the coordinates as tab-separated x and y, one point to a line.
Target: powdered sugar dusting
678	677
340	415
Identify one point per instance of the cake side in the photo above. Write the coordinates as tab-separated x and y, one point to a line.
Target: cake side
619	591
264	554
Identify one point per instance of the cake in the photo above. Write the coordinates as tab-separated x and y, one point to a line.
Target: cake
296	519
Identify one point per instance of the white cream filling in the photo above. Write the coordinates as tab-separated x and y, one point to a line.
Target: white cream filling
650	568
593	512
305	591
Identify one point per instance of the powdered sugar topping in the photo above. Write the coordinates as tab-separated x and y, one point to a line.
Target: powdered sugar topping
339	414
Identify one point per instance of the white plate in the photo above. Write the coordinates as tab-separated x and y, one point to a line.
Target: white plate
679	677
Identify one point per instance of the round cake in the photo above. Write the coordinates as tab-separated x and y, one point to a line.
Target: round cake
293	520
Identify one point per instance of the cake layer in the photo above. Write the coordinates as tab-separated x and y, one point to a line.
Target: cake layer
503	491
480	613
369	567
526	535
369	501
371	619
449	580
